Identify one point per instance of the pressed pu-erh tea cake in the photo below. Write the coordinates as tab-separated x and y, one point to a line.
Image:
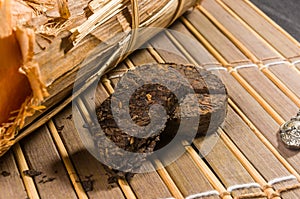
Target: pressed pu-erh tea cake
171	92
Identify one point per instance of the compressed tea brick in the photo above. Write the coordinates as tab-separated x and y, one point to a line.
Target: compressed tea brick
211	106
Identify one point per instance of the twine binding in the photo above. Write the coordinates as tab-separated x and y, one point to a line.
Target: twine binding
178	10
216	68
234	69
295	62
273	64
276	193
203	194
243	186
282	179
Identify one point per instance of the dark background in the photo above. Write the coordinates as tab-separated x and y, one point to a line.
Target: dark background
286	13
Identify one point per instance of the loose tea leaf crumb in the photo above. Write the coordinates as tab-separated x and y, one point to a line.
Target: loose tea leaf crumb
5	173
85	126
45	180
60	128
32	173
49	180
88	185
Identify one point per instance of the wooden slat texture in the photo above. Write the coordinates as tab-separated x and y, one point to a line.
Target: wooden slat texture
288	75
260	157
247	41
173	55
66	160
241	37
219	41
10	176
231	50
188	177
280	102
84	162
183	36
23	166
262	26
227	167
42	156
297	65
259	117
149	185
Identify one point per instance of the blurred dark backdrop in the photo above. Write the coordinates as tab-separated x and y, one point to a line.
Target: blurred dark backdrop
286	13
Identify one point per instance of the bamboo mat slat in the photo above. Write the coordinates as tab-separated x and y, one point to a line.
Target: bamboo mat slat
84	163
297	66
289	75
228	61
42	156
188	177
254	47
149	185
174	55
74	178
23	166
227	167
260	118
9	175
211	33
254	150
263	27
280	102
197	48
245	43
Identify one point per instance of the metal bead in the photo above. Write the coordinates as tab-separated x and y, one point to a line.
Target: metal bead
290	132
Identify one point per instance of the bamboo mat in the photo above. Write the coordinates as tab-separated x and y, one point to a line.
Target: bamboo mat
257	61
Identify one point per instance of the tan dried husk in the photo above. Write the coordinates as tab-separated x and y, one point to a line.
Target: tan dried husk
39	25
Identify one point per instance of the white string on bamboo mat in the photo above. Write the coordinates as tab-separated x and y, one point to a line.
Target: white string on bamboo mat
295	62
282	179
203	194
216	68
234	69
243	186
273	64
240	186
